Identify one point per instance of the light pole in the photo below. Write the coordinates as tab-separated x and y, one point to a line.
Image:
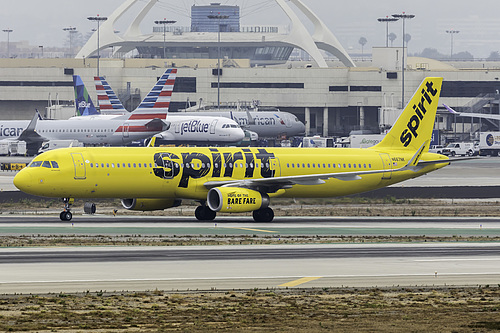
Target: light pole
218	17
8	31
387	20
164	22
452	32
403	17
71	31
97	19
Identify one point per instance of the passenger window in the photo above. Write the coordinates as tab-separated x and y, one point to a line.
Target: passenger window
344	165
134	165
97	165
112	165
241	165
102	165
369	166
303	165
354	166
123	165
139	164
107	165
364	166
117	165
129	165
91	165
314	165
230	165
55	165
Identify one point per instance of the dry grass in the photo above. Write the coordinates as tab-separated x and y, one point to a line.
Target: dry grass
297	310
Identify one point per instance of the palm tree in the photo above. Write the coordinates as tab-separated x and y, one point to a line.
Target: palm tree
392	37
362	41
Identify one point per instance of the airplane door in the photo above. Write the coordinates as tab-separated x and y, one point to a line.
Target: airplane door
79	163
386	161
287	120
177	128
274	166
212	126
126	128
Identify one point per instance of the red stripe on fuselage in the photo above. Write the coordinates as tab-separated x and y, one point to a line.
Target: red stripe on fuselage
148	116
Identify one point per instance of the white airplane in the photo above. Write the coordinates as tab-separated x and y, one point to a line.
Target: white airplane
147	120
475	115
267	124
193	129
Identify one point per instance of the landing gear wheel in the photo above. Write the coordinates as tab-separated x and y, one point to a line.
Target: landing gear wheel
66	216
204	213
263	215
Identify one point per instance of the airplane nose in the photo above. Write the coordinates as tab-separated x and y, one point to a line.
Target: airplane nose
239	135
23	180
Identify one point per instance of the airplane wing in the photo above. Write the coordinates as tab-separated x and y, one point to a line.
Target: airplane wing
272	185
475	115
29	134
158	124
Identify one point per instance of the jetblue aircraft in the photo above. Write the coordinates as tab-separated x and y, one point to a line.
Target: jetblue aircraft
194	129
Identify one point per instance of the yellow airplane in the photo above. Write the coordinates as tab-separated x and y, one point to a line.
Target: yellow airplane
232	180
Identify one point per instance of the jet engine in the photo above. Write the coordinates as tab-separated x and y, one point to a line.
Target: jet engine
149	204
236	200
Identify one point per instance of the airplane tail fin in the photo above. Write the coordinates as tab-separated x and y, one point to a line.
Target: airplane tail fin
108	101
155	105
83	102
414	126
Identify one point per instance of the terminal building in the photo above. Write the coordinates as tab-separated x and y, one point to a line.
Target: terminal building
333	98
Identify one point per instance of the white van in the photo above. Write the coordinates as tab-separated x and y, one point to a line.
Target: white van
459	148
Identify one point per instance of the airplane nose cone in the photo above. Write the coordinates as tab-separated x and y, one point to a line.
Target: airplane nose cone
239	135
23	180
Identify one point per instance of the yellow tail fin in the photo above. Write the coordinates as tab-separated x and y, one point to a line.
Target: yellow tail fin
414	126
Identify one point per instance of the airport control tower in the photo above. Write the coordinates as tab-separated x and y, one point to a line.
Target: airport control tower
201	23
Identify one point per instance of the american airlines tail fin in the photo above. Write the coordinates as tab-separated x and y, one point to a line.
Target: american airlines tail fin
155	105
108	101
414	126
83	102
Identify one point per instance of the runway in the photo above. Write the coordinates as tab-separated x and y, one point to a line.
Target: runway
116	268
244	225
245	267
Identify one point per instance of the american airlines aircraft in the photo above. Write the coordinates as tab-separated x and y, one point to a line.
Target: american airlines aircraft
186	129
147	120
267	124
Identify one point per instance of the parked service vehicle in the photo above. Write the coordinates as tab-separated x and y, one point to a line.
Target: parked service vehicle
489	143
365	140
317	142
17	148
459	148
54	144
437	149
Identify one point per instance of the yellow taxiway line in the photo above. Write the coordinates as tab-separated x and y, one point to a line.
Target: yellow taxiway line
255	230
300	281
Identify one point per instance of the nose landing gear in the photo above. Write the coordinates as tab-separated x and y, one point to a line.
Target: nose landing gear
66	213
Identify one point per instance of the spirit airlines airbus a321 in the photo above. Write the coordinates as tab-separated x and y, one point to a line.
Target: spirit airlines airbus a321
232	180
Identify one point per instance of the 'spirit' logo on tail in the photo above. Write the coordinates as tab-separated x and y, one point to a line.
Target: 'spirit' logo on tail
420	110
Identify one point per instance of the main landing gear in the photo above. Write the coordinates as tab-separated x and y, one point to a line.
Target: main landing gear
66	213
204	213
263	215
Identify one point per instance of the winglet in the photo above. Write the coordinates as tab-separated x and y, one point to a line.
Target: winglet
152	142
450	109
413	162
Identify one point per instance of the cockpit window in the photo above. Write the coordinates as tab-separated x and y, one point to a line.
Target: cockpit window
46	164
55	165
36	164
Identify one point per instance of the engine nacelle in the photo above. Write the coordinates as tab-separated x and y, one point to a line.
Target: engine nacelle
149	204
235	200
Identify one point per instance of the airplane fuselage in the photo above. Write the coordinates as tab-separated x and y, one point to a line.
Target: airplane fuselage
267	124
169	172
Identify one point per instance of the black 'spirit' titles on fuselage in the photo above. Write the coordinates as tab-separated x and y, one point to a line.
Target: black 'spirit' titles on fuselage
198	165
420	110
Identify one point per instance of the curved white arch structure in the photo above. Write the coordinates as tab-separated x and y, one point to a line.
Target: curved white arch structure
299	37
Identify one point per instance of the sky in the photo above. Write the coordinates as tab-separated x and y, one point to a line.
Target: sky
41	22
